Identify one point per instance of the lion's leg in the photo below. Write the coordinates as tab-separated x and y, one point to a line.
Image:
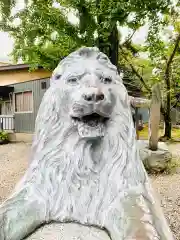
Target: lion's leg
138	217
20	215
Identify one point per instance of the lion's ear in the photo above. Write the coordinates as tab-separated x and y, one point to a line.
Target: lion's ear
55	77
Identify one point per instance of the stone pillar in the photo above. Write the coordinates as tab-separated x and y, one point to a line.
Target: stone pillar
154	119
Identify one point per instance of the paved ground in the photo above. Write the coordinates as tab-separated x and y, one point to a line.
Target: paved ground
14	161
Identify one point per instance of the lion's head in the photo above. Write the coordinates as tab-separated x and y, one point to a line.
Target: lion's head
85	114
87	95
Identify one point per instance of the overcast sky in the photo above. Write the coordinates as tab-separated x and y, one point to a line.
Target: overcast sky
6	43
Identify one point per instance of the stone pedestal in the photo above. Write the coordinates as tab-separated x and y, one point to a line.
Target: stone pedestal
156	161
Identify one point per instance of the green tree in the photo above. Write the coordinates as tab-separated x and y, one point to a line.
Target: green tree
6	6
163	46
141	68
97	25
164	55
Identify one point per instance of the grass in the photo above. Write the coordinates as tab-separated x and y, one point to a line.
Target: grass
144	133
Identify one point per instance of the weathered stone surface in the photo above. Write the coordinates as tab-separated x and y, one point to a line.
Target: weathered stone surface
85	165
68	231
154	119
139	102
154	160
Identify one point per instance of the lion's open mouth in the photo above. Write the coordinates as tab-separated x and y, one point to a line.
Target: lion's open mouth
91	126
91	120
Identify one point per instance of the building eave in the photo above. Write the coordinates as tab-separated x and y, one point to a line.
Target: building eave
15	67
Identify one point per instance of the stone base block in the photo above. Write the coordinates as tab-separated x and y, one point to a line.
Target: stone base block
155	161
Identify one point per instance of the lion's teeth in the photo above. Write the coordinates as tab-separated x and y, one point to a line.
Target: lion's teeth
92	123
85	130
75	122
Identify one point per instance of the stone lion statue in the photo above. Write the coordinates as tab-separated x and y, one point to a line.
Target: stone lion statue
85	179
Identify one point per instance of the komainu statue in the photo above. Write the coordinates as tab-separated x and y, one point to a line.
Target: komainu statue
85	179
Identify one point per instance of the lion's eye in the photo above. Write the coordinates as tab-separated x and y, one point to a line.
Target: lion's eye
106	80
104	58
72	80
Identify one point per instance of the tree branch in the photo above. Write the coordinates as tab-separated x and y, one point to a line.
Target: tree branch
172	54
129	39
135	71
167	71
167	79
178	100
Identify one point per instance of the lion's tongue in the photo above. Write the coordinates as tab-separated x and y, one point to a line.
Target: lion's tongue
91	130
92	123
92	120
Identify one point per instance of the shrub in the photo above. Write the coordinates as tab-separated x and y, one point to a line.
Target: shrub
4	136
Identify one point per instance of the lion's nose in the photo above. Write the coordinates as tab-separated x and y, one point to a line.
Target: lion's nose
94	97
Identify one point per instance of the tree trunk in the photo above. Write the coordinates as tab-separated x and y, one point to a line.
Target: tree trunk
101	43
114	45
108	45
168	127
167	116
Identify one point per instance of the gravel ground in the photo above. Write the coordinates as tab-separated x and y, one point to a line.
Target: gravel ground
14	161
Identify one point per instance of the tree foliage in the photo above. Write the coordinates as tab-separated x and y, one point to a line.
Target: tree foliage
164	53
163	48
6	6
43	33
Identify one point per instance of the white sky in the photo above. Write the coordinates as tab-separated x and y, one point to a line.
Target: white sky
6	42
